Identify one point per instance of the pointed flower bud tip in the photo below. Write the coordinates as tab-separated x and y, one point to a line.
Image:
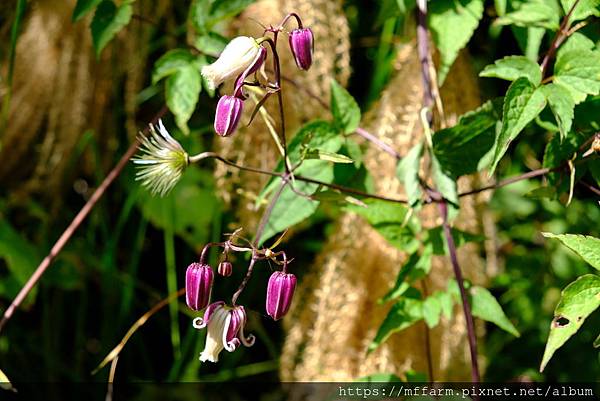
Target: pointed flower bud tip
227	117
280	291
225	268
240	54
302	45
225	330
198	285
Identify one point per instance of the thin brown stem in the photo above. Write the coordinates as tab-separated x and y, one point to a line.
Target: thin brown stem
559	38
75	223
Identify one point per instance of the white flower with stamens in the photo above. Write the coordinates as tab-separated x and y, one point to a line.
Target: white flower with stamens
225	330
241	54
161	160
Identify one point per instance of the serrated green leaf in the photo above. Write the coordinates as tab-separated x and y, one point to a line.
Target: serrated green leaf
416	267
452	24
344	108
432	310
562	105
485	306
578	300
327	156
82	8
584	245
408	173
182	92
108	21
577	41
522	103
513	67
402	315
533	13
464	148
389	220
584	9
445	184
579	72
171	62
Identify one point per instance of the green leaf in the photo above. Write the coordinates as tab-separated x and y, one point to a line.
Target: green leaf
402	315
211	43
584	245
344	108
533	13
108	21
579	72
584	9
529	40
389	219
485	306
578	300
408	173
577	41
452	24
445	184
523	102
465	148
182	92
327	156
82	8
513	67
205	14
562	106
222	9
171	62
432	309
416	267
190	223
21	259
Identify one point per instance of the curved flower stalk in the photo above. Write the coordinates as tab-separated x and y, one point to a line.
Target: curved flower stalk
161	160
225	330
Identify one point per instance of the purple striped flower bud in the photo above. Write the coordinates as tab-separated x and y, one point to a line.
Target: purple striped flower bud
302	45
198	285
280	291
225	268
227	117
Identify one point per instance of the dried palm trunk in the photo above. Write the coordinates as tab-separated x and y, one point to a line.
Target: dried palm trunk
253	145
60	90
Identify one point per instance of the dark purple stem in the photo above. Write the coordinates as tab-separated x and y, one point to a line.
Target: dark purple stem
236	295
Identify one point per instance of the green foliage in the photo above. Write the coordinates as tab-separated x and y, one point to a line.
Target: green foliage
523	102
205	14
408	173
108	20
513	67
486	307
21	258
583	10
182	91
533	13
83	7
584	245
562	105
579	72
578	300
345	110
452	24
416	267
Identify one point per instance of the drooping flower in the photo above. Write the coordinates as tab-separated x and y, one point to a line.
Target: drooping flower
161	160
302	46
280	291
198	285
227	117
225	268
225	330
241	54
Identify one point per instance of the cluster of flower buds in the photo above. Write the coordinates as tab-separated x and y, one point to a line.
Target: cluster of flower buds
225	324
242	57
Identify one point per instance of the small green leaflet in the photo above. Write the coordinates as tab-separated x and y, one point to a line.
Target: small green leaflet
512	68
533	13
182	92
579	299
485	306
170	62
523	102
416	267
108	21
584	9
344	108
585	246
327	156
562	106
408	173
452	24
205	14
82	8
431	310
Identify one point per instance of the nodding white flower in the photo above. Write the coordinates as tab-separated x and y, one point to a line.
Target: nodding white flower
225	330
161	160
241	54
